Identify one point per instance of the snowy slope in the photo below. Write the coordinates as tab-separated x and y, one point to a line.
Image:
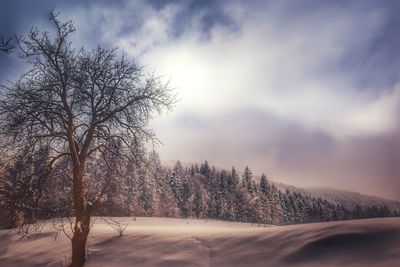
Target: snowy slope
180	242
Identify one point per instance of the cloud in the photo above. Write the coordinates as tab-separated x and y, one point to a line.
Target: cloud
283	58
288	68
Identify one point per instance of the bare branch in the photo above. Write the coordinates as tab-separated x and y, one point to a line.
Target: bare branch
5	44
116	224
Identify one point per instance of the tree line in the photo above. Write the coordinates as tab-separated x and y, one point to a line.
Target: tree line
151	189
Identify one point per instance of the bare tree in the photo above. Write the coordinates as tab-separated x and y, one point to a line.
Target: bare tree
116	224
80	104
5	44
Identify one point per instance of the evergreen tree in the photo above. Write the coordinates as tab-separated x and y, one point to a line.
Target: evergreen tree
247	180
205	169
197	202
145	196
264	185
212	194
185	199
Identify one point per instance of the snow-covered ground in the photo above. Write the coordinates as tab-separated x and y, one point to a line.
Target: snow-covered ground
181	242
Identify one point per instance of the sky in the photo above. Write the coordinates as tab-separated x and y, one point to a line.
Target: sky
307	92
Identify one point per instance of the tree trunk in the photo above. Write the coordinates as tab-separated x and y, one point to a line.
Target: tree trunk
78	250
82	220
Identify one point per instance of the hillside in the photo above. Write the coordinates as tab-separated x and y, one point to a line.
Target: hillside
348	199
181	242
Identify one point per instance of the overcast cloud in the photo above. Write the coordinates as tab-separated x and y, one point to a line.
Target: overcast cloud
306	91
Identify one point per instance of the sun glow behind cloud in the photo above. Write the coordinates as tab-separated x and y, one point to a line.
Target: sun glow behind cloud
287	72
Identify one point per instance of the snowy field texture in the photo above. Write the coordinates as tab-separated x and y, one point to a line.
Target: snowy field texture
181	242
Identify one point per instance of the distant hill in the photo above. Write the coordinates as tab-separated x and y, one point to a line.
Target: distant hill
349	199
